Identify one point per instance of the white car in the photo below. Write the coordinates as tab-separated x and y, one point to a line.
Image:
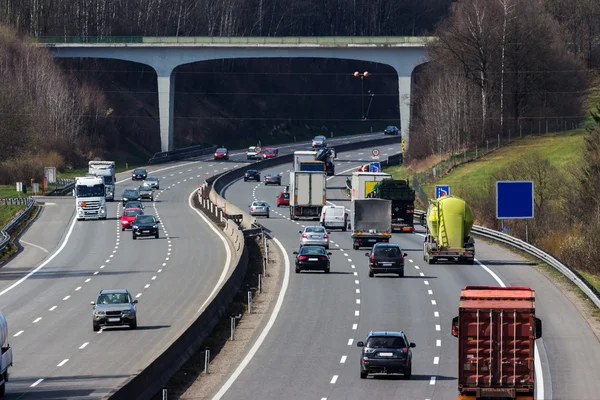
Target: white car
253	153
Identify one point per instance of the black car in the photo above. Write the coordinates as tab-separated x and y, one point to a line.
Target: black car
252	175
134	204
312	258
273	179
131	194
139	174
391	130
386	258
146	192
145	225
387	353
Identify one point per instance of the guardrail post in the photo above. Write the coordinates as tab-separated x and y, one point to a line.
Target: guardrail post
206	360
249	301
265	266
259	283
164	393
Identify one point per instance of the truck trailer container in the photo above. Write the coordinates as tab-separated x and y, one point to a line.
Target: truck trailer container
363	183
403	202
6	359
307	194
371	222
496	329
313	166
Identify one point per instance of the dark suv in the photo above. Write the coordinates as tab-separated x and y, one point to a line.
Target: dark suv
386	258
387	353
145	225
252	175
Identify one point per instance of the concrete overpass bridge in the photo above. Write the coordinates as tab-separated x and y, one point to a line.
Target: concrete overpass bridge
164	54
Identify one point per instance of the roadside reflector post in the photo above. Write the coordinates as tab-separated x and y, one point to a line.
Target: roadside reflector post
249	301
206	360
164	393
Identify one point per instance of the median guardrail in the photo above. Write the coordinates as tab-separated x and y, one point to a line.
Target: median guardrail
180	154
570	273
5	232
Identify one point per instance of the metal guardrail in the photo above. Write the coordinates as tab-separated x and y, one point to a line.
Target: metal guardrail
186	152
66	185
5	232
579	281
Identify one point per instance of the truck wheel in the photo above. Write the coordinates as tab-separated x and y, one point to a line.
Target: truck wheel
3	389
122	229
95	326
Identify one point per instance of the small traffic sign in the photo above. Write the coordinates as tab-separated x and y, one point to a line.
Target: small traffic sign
375	152
257	149
442	190
375	167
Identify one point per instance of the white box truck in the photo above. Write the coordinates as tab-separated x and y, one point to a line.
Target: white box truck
90	198
6	360
307	194
105	169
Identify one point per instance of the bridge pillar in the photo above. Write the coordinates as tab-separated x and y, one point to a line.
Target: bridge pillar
166	103
404	91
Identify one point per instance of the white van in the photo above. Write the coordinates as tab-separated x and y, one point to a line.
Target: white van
334	217
253	153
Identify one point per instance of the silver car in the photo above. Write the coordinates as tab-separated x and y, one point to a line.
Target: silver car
153	182
314	236
114	308
259	208
319	141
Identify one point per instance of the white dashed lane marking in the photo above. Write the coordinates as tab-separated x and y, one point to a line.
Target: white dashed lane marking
83	345
334	379
343	359
34	384
63	362
52	308
18	333
436	360
350	341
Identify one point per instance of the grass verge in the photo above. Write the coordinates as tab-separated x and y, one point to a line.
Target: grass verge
7	213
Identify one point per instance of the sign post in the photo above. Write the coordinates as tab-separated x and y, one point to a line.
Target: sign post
442	190
375	154
515	200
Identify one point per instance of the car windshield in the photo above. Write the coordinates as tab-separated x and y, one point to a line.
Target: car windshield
151	179
108	180
285	195
139	171
319	138
114	298
252	148
270	151
387	251
314	229
90	191
145	188
222	150
313	250
144	219
130	193
252	171
391	127
388	342
259	204
134	204
132	213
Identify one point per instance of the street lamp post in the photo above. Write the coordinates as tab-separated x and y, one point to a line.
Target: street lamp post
362	76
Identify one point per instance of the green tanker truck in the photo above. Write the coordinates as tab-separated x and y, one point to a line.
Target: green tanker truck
449	223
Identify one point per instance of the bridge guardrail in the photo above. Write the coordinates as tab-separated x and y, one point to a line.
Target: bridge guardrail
186	152
571	274
5	232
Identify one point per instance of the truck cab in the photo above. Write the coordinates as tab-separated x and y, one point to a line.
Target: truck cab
90	198
106	170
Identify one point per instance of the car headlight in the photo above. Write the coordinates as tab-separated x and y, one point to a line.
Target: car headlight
125	199
99	312
135	227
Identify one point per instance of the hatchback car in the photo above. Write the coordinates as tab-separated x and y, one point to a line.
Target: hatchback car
114	308
314	236
312	258
145	225
146	192
273	179
252	175
386	258
131	194
283	199
221	154
134	204
153	182
128	217
259	208
270	152
391	130
319	141
139	174
386	352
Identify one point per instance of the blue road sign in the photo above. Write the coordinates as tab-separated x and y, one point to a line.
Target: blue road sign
375	167
442	190
514	199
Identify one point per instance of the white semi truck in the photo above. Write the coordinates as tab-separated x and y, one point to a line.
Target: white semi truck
105	169
307	194
90	198
6	360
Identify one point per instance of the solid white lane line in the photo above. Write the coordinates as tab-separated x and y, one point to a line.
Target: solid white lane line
83	345
438	343
37	320
34	384
350	341
63	362
432	380
354	327
438	328
66	298
18	333
436	360
343	359
52	308
334	379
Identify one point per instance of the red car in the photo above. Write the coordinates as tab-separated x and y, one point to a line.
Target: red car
283	199
128	216
270	152
221	154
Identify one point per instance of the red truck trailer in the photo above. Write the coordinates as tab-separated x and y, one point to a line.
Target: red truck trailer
496	329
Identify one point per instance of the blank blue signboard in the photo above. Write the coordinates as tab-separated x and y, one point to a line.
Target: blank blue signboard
514	199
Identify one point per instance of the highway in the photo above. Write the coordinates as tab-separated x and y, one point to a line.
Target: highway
310	351
45	291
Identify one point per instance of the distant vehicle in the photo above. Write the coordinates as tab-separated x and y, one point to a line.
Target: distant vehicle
146	192
90	198
221	154
259	208
273	179
145	225
334	217
134	204
114	308
128	217
386	258
283	199
312	258
314	236
319	141
139	174
270	152
6	359
253	153
391	130
252	175
386	352
153	182
106	170
131	194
